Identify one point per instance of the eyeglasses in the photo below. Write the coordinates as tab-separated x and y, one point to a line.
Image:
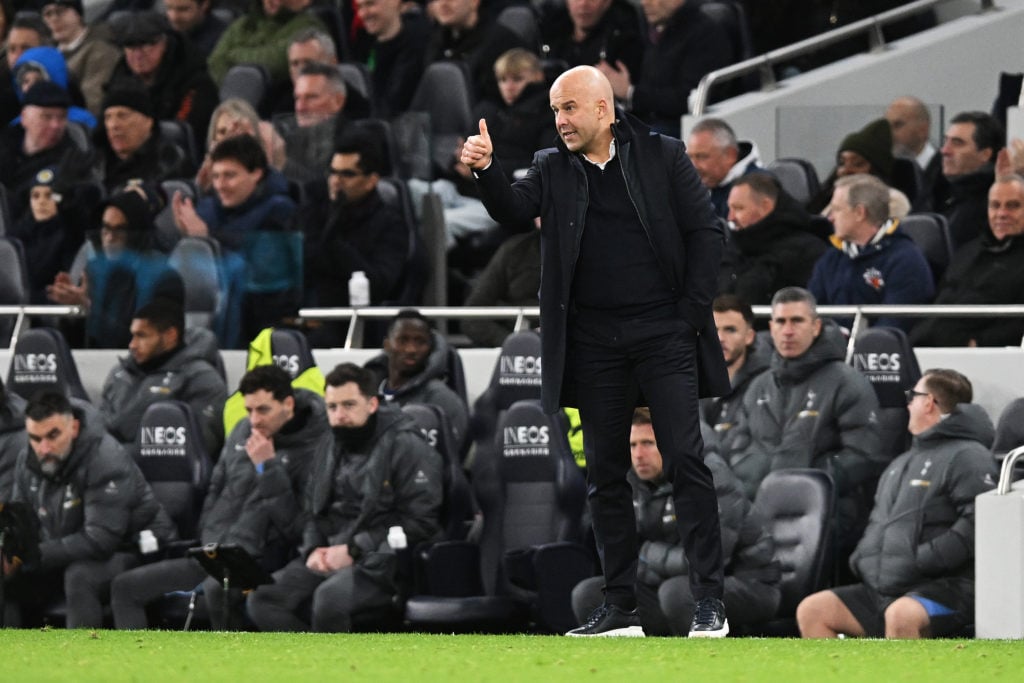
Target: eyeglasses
911	393
345	172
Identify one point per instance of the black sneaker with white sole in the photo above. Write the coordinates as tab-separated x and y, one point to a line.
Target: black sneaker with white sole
709	619
610	621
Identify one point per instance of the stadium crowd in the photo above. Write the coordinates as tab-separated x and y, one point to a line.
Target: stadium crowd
274	145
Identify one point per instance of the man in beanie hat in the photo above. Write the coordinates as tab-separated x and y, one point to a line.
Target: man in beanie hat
172	71
128	140
38	141
89	50
869	151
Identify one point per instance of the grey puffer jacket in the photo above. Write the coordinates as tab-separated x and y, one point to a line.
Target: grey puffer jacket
813	411
95	504
428	387
747	544
262	511
723	414
922	525
12	439
183	376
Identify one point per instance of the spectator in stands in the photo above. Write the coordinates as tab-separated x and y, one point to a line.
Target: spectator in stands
39	141
720	159
130	145
464	35
46	63
12	438
392	44
520	124
375	473
987	270
916	559
320	95
161	367
51	231
172	71
250	214
89	51
910	123
972	141
746	357
770	244
413	369
588	32
255	499
235	116
194	20
873	261
91	502
810	409
352	228
511	278
26	31
127	271
308	46
261	37
867	151
664	599
682	46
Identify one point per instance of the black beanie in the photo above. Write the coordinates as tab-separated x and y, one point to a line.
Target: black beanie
874	143
137	209
133	98
73	4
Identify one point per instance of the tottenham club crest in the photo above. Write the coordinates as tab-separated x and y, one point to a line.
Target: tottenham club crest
874	279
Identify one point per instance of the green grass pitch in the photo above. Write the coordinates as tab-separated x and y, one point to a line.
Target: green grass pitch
57	655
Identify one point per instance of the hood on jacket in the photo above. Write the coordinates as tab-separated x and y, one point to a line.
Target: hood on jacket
830	346
310	409
966	421
748	156
887	234
12	411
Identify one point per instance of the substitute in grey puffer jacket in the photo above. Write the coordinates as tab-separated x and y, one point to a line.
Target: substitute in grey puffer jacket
813	411
262	512
95	504
922	525
182	375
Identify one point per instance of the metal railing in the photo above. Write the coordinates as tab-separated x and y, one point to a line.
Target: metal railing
521	314
764	64
22	311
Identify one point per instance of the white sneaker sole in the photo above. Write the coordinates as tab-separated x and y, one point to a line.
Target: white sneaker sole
712	634
628	632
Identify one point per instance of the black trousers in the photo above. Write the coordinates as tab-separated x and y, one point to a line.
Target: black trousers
614	360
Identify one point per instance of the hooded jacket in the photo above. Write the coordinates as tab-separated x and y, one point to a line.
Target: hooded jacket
748	157
183	375
778	251
355	497
262	512
95	504
889	269
51	63
922	525
812	411
983	271
723	414
747	544
12	439
675	212
429	386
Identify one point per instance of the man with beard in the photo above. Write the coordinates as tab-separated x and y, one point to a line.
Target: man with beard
94	510
376	473
413	368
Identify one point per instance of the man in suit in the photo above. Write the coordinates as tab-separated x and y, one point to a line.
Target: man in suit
617	204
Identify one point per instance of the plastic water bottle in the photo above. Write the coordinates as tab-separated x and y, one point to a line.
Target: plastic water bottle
396	538
358	290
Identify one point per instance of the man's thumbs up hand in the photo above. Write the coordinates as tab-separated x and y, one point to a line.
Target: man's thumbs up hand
477	151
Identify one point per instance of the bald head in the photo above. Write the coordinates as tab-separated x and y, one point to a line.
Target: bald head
911	122
584	108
